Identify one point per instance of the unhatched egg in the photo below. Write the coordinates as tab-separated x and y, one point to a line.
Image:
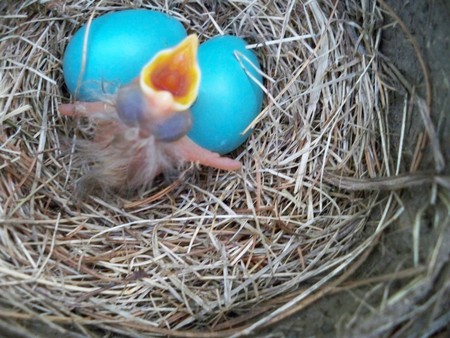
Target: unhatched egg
118	45
228	99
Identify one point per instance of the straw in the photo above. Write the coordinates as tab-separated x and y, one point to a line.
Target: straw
210	254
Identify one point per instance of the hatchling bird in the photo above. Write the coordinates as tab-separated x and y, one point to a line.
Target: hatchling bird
141	131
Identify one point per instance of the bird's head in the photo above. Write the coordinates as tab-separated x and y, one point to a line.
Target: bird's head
167	86
172	78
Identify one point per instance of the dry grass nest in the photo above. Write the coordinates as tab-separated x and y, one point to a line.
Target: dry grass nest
211	253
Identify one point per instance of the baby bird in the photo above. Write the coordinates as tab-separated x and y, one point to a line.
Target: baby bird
141	132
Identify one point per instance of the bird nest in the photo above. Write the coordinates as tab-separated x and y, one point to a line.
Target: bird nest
206	253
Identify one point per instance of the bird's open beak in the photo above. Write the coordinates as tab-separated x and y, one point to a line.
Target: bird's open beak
172	78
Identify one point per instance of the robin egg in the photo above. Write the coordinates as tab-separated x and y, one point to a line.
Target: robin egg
117	45
228	99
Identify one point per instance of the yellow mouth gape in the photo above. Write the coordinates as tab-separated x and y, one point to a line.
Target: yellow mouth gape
173	71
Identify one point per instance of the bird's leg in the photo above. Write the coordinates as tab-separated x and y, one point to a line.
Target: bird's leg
188	150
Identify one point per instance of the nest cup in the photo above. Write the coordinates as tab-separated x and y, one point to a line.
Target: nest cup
328	188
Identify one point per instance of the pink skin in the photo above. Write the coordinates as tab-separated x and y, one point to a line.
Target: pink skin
184	148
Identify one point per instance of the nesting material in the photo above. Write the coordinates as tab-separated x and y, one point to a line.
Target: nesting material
205	253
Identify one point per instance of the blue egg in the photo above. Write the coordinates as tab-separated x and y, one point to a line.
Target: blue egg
119	45
228	98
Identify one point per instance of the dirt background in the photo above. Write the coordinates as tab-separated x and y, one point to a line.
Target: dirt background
352	312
